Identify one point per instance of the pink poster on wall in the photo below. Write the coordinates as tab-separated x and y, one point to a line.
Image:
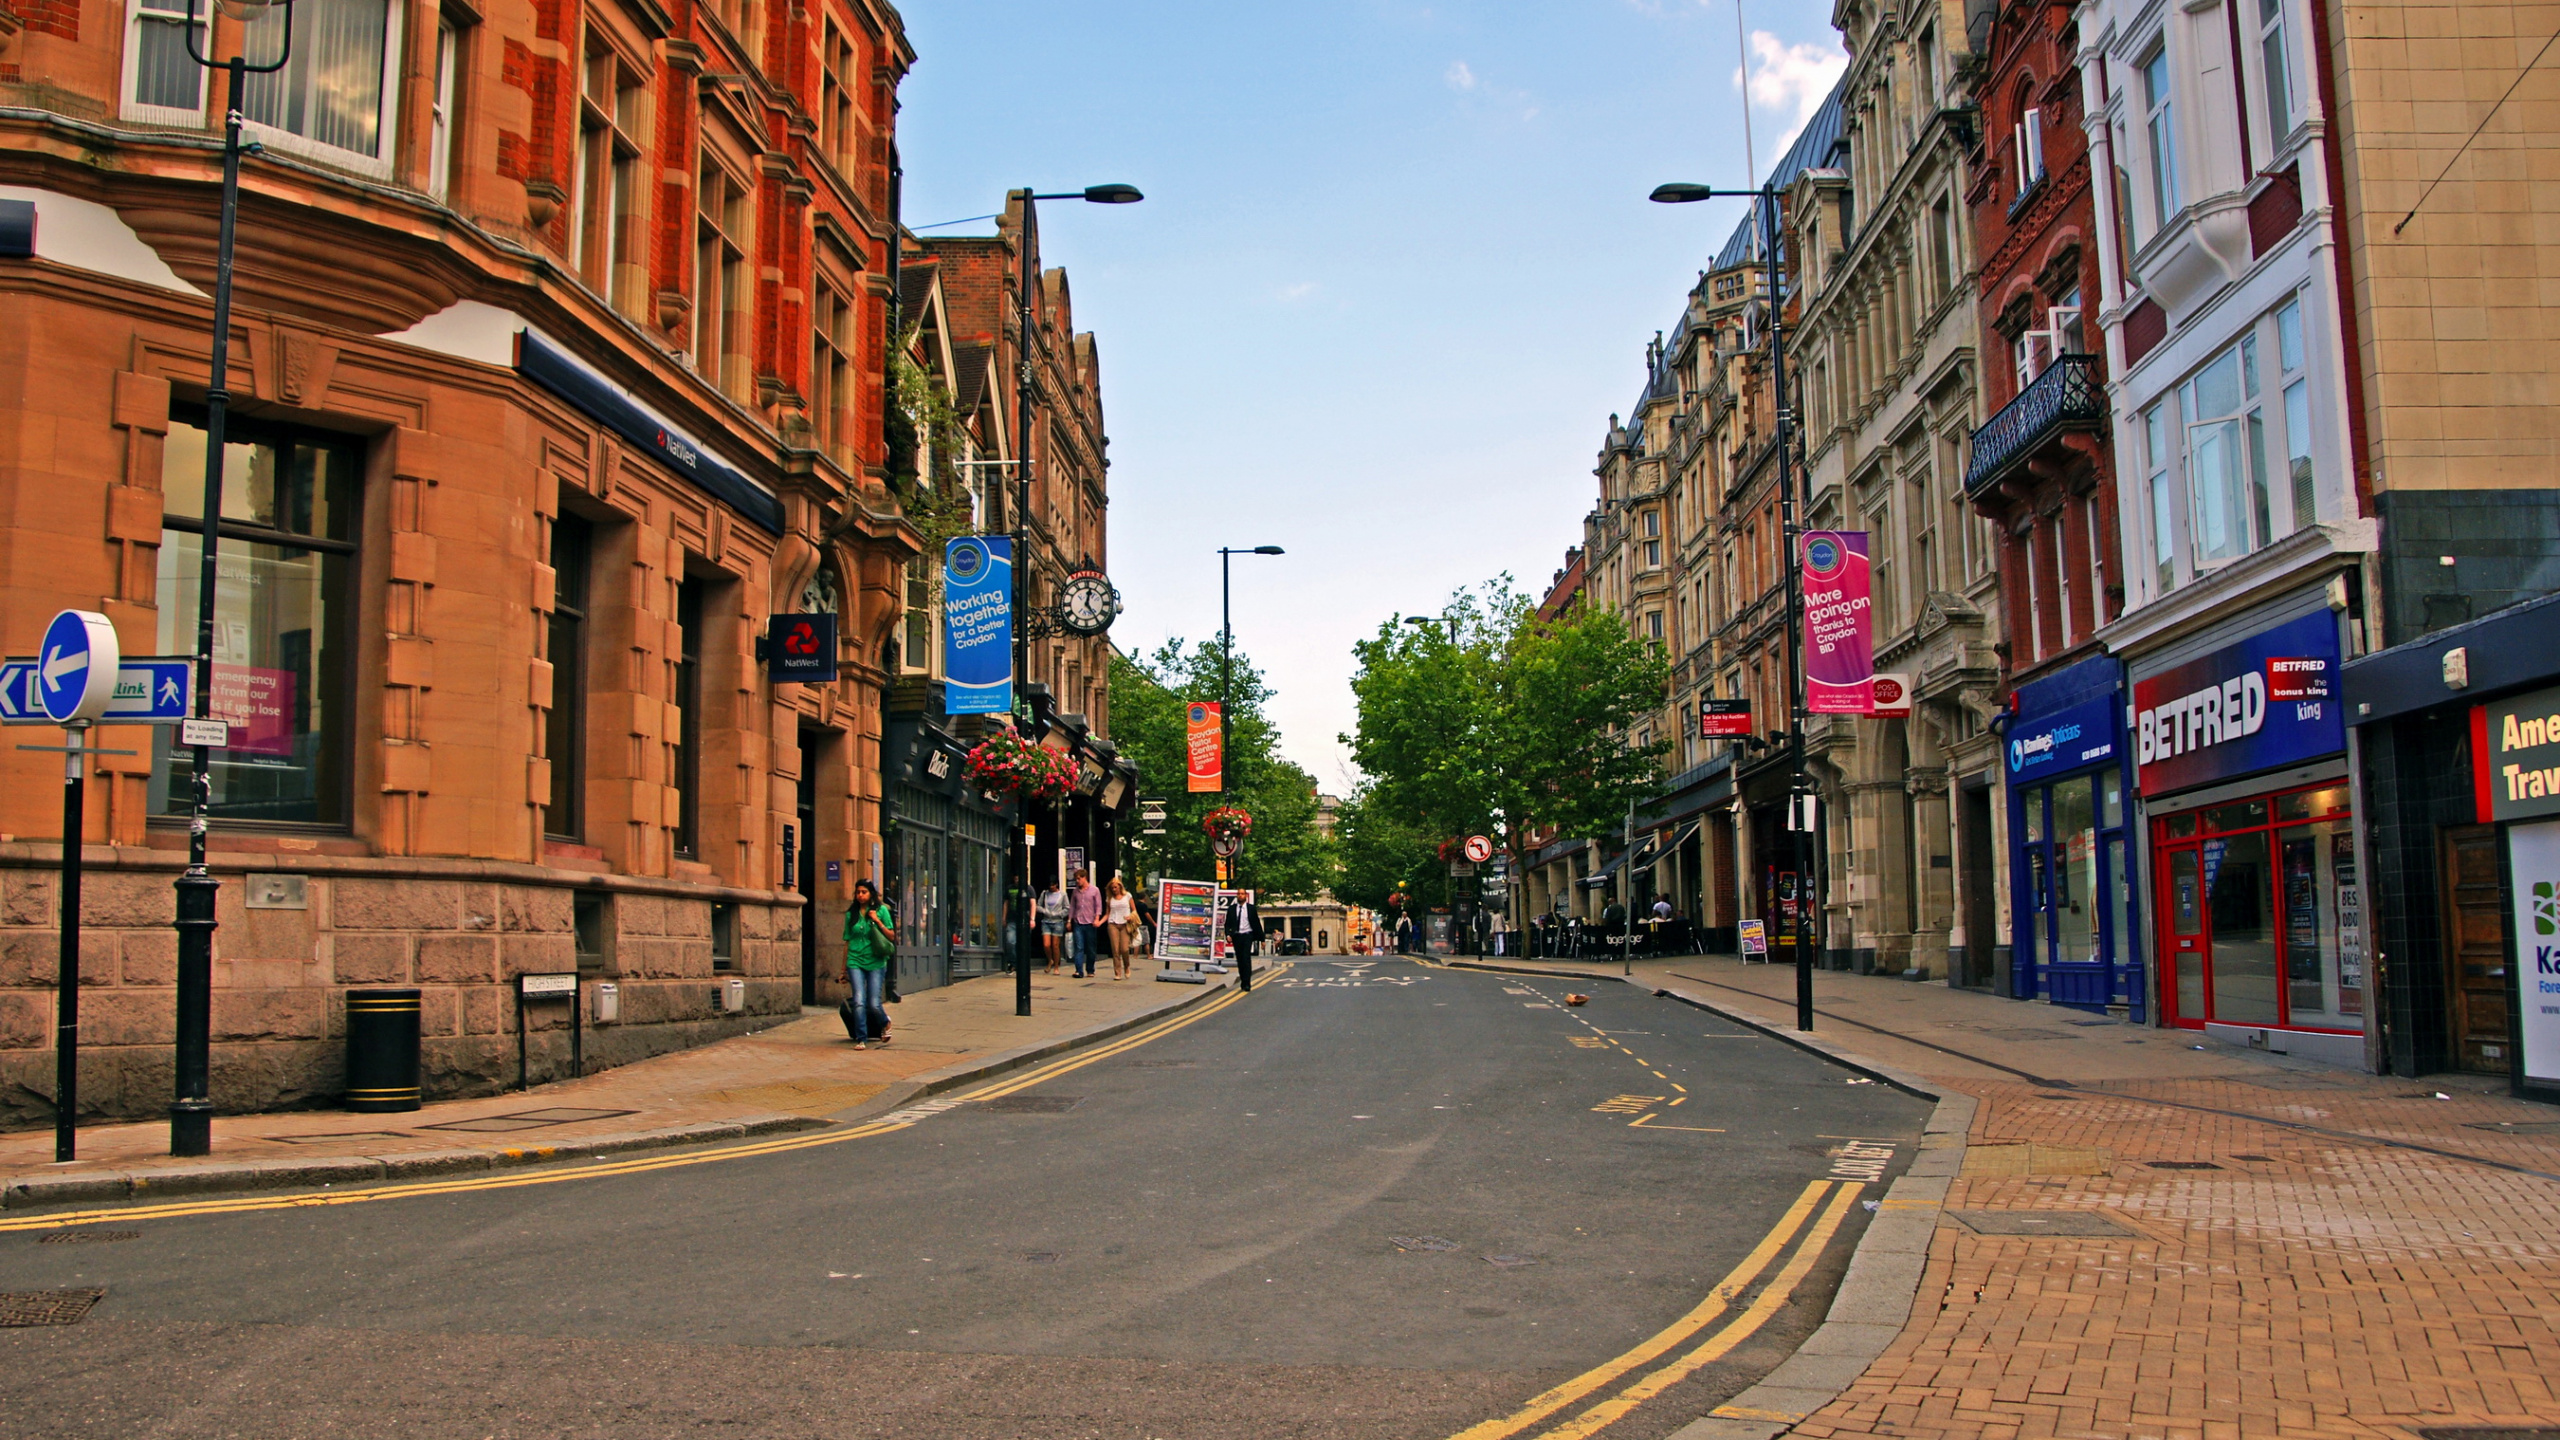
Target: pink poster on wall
259	704
1839	640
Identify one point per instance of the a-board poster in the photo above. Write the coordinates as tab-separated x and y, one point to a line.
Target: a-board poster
1070	860
1186	921
1755	938
2533	862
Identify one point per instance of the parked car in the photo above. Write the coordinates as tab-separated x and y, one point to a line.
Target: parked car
1292	946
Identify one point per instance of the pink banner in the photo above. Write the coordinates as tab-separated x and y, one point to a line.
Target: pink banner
259	704
1839	639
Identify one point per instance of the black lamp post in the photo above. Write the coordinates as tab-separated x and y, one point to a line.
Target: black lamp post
1026	388
1799	785
191	1110
1227	643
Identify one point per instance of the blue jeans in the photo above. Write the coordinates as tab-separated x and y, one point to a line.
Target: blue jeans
868	986
1084	949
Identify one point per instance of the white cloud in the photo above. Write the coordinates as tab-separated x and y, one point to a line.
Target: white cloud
1459	76
1299	291
1790	81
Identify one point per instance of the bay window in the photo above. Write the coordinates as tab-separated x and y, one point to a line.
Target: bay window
2160	135
2275	72
332	93
284	618
2228	451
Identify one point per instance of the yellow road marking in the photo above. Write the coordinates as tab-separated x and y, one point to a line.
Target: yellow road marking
1781	1287
463	1184
1646	1122
1684	1096
1718	1300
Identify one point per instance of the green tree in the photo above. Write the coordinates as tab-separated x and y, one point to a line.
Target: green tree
1382	854
1149	699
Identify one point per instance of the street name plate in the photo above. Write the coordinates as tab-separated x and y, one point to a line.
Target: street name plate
539	987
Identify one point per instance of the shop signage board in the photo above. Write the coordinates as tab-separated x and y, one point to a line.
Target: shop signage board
801	648
2533	861
2515	756
1839	638
2268	701
1755	937
1186	921
977	625
1724	719
1204	765
2061	740
1893	696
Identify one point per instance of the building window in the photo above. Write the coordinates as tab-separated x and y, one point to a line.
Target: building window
723	305
2161	136
917	652
2275	72
1653	554
284	617
162	81
2226	456
836	73
564	726
2030	143
687	778
724	936
1653	624
1881	546
442	133
331	90
1942	247
2297	415
831	341
2164	506
612	118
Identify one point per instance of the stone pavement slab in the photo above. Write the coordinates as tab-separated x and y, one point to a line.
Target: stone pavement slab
2279	1248
801	1074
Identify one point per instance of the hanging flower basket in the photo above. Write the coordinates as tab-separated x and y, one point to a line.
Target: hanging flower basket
1008	764
1227	823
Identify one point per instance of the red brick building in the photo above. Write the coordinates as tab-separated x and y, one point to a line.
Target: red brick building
558	368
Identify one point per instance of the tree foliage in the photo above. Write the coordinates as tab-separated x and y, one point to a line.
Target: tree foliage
1149	695
1383	854
1493	721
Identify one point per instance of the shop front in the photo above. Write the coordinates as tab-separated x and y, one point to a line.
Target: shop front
2075	905
2458	761
945	872
2240	752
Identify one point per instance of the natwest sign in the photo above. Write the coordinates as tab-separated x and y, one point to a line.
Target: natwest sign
2265	702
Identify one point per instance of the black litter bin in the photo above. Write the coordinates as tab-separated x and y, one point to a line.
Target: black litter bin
382	1050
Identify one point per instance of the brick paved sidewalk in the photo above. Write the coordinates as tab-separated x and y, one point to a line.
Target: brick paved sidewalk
794	1076
2275	1248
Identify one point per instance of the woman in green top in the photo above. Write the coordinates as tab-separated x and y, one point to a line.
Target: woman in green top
870	945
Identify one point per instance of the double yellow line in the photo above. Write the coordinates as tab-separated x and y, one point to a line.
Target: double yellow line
1772	1298
897	1120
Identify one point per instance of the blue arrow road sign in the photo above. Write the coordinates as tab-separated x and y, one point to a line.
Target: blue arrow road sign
78	646
150	690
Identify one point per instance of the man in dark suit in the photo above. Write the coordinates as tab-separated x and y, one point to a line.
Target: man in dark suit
1244	931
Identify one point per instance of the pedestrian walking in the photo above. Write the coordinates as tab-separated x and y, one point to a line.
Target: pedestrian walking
1120	927
1244	931
1053	924
1088	921
870	946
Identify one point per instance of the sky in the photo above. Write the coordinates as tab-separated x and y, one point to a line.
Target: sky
1394	272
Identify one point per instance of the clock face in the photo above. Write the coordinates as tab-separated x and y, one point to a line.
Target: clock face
1087	604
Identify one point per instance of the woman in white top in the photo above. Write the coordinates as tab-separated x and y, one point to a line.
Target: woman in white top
1053	924
1120	918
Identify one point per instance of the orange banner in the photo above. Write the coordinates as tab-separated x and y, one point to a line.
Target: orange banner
1207	763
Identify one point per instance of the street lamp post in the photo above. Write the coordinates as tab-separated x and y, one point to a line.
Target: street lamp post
1799	785
1227	642
1025	393
191	1109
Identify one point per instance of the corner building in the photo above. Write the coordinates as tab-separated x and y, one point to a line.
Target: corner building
556	363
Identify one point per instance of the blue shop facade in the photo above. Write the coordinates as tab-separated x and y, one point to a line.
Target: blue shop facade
2074	865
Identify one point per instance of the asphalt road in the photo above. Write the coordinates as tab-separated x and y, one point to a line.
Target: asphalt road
1373	1199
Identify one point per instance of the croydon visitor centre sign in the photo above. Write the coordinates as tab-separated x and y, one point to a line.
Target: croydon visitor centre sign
977	625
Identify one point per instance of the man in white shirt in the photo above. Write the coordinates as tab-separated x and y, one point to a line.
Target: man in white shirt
1244	931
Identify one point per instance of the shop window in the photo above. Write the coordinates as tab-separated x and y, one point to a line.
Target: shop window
564	726
2266	916
687	766
328	99
612	189
284	618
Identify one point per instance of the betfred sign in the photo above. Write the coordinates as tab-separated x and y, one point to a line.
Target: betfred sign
2265	702
1724	719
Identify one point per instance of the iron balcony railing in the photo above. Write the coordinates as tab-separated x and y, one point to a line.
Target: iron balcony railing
2067	396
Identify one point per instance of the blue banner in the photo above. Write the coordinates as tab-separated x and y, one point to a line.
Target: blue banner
2063	740
977	625
2266	702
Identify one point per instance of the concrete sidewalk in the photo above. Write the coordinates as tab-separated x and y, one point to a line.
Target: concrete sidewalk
802	1074
2155	1235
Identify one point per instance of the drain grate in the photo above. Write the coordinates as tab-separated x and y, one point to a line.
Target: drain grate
1431	1243
1043	1257
530	1119
335	1136
2184	1165
89	1237
47	1307
1032	1104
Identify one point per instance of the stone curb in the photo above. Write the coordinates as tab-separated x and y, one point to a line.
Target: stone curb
1875	1297
225	1176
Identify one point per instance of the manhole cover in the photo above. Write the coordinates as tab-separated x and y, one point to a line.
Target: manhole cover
47	1307
335	1136
1042	1257
2184	1165
1032	1104
1510	1262
2038	1222
1421	1242
529	1119
89	1237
